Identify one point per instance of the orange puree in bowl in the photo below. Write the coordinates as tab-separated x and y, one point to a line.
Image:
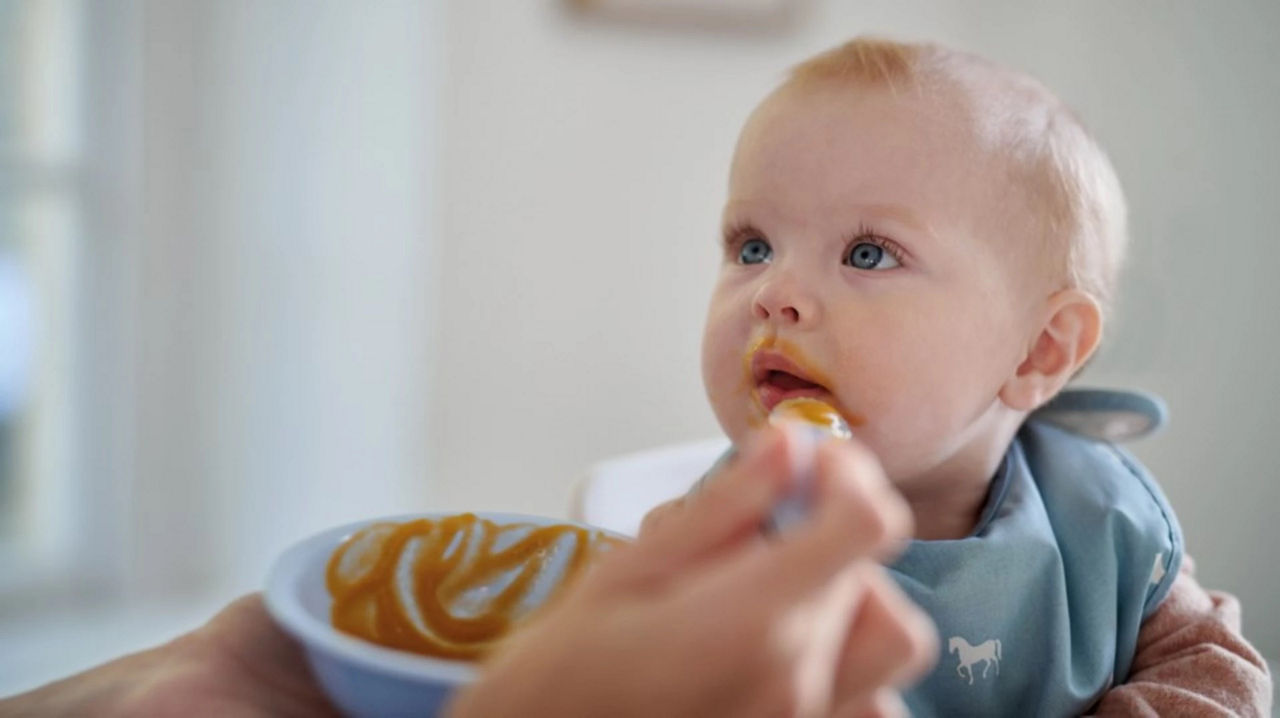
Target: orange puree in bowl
443	587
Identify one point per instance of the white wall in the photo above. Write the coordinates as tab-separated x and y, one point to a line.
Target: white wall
285	274
582	180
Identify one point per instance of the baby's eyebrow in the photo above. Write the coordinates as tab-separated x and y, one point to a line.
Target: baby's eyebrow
735	214
732	221
898	213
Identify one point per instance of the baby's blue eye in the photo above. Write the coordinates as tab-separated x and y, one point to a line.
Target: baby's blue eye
755	251
867	255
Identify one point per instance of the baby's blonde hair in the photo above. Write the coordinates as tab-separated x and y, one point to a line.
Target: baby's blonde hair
1066	178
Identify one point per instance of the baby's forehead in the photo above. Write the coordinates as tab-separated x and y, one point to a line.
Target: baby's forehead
1002	111
861	140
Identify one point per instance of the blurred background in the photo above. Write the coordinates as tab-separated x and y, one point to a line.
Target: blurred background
271	265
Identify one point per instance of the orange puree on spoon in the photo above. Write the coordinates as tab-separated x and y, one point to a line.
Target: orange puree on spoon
813	411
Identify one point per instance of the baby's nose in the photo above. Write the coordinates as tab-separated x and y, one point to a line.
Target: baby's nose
785	302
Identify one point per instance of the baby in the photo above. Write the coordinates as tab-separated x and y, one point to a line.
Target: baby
930	243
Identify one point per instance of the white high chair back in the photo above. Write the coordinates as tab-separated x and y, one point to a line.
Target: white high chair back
618	492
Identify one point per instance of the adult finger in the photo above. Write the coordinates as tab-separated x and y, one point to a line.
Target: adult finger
884	703
659	514
725	514
853	492
855	516
890	642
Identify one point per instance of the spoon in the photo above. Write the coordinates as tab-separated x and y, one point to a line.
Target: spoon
823	423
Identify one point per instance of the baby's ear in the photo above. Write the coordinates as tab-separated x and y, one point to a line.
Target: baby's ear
1064	342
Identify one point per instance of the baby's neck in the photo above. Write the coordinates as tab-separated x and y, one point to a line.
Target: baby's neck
949	500
950	514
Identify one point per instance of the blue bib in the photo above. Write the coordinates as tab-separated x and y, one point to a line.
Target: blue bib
1038	610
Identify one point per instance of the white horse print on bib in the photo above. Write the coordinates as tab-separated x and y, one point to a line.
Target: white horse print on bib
987	653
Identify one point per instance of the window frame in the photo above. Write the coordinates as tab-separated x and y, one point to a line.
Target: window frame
77	501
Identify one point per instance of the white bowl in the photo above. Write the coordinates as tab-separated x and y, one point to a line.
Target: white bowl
363	678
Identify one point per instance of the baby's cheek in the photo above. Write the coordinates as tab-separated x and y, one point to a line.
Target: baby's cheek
716	370
723	344
902	399
714	361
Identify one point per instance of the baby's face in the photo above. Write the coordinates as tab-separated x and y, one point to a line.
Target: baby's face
867	263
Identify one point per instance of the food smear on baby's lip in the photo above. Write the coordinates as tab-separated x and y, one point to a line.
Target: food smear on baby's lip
452	587
813	380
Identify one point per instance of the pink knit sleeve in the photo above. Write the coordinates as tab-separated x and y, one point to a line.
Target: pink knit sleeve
1192	660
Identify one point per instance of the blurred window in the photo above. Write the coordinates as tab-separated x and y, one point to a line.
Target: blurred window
41	210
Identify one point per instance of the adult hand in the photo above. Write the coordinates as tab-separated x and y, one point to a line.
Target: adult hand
703	616
238	664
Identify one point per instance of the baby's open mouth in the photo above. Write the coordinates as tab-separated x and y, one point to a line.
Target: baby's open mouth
788	382
778	378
